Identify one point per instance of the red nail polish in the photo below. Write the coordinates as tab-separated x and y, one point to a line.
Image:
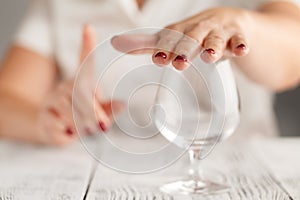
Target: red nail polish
102	126
181	58
161	55
241	46
69	131
210	51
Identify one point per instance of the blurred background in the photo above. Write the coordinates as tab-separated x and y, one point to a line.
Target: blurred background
286	105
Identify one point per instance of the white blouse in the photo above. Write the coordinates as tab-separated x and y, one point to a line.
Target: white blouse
54	27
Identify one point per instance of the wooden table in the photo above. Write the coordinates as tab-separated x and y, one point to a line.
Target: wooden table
262	169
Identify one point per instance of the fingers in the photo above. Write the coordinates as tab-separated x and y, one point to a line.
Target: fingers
57	132
189	46
168	39
185	52
56	128
214	46
135	43
103	120
145	43
106	111
86	65
239	45
67	125
113	108
61	109
86	103
91	112
212	34
173	45
84	109
88	41
83	101
61	126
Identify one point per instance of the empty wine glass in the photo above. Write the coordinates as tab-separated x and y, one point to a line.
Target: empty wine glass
195	109
167	112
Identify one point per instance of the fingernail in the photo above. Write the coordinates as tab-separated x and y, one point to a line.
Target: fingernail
210	51
241	46
102	126
181	58
161	55
69	131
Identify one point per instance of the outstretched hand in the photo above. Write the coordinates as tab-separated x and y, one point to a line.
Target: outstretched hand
213	34
56	118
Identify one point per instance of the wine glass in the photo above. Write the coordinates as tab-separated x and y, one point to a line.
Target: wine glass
195	109
118	70
166	113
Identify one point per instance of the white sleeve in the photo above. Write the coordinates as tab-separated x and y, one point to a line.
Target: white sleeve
267	1
296	2
35	31
254	4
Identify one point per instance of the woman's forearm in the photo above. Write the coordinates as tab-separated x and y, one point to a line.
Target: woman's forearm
274	57
26	77
18	118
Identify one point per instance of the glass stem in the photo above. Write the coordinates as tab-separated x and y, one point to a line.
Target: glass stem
195	172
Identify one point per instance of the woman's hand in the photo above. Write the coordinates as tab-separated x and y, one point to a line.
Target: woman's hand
218	32
272	33
214	34
36	108
56	117
55	121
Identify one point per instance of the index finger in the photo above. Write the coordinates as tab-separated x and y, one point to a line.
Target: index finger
135	43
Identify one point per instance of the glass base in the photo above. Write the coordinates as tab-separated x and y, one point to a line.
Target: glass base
189	187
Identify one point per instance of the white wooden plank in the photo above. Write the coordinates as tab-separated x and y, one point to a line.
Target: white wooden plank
28	172
43	173
282	158
248	178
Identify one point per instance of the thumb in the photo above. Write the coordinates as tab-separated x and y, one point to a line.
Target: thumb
86	66
88	41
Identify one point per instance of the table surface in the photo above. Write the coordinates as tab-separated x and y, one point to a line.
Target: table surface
261	169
